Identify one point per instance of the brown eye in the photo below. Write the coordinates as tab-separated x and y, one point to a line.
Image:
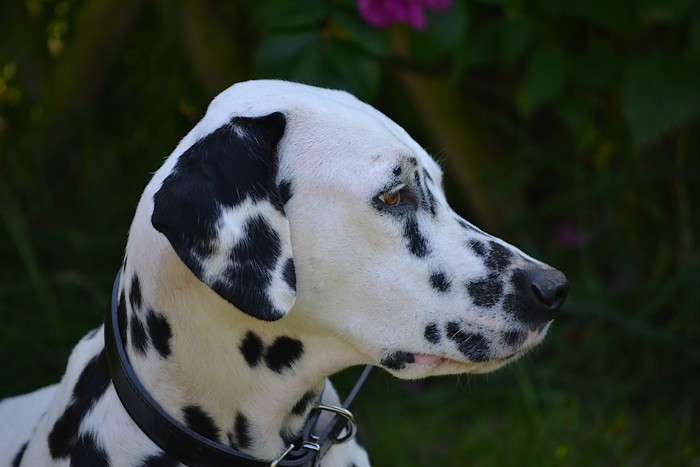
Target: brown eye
391	199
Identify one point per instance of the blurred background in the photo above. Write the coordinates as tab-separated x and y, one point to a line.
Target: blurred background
570	129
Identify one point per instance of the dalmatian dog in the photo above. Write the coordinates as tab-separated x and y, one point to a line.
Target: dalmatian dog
294	232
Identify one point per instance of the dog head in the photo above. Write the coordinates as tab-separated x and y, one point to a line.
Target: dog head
289	199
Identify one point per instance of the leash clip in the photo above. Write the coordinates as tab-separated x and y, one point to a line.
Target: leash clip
308	445
312	444
350	424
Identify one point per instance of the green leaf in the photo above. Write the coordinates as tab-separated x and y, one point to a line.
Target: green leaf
284	15
311	58
661	92
516	37
479	47
576	110
443	32
372	40
597	66
618	16
694	36
312	68
277	55
545	78
361	73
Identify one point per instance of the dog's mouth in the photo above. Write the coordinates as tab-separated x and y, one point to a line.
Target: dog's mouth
419	364
475	354
427	360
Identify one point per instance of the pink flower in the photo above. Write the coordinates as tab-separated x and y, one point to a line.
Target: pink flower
384	13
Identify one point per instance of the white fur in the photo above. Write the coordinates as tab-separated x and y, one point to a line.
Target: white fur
359	292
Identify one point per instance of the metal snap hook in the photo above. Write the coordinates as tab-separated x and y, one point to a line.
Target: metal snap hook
350	424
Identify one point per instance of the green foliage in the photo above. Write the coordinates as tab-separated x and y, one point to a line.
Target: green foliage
544	79
661	93
432	46
318	43
569	128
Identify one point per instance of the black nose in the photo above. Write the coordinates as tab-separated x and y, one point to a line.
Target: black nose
549	287
539	294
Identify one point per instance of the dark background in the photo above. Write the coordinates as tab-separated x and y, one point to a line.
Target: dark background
568	128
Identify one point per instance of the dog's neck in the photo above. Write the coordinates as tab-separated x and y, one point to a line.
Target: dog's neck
228	376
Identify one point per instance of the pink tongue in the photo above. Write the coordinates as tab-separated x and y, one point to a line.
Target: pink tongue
422	359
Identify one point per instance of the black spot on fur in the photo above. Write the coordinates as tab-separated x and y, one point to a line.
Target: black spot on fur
417	244
521	311
452	329
283	352
466	225
432	204
286	193
139	338
289	274
397	170
498	258
251	263
88	451
426	197
478	247
473	345
514	339
486	292
204	249
160	332
303	404
241	154
252	348
161	460
91	385
440	282
234	163
135	298
241	432
427	175
432	333
398	360
201	422
412	161
253	255
19	455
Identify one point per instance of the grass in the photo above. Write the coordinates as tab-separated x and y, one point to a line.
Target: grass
522	416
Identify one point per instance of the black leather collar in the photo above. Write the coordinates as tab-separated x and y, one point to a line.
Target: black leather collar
191	448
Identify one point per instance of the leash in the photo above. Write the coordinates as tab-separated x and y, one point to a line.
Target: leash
193	449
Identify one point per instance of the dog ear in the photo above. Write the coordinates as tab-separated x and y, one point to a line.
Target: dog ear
220	209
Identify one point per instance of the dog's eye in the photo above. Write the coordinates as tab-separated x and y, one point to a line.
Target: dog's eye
398	199
391	199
